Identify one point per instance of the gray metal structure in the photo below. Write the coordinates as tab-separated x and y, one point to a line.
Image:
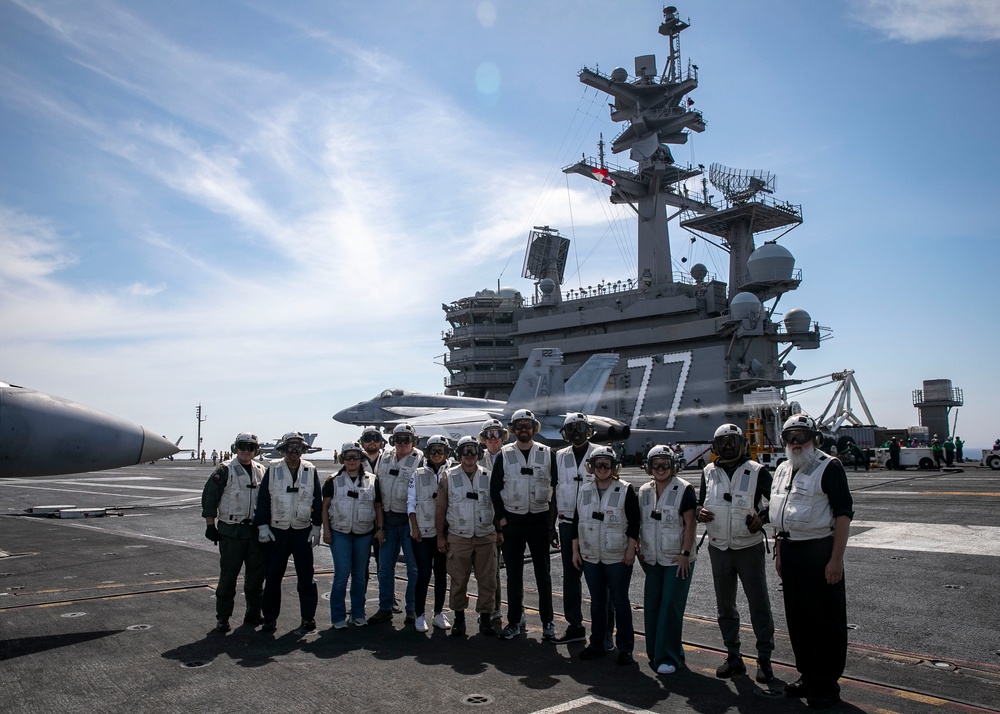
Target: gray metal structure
43	435
691	345
934	403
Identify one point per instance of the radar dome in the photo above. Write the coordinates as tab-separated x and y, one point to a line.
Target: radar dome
509	292
619	74
485	293
744	306
797	320
698	272
547	285
770	262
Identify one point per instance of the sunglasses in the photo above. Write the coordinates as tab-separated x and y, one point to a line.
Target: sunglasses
436	451
493	434
352	457
660	465
246	446
402	439
602	465
368	438
797	437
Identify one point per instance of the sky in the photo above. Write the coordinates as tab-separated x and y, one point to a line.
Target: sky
260	207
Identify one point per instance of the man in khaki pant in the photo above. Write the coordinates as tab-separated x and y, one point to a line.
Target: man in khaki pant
466	532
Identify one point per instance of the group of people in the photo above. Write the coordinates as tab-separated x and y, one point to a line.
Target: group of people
453	511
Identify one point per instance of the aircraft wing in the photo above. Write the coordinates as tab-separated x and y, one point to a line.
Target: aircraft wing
453	423
585	387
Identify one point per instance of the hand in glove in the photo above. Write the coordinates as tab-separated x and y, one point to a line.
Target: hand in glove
212	533
265	534
315	535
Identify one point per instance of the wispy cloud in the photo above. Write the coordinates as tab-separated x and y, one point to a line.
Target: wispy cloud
926	20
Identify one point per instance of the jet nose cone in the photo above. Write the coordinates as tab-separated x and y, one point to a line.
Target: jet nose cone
346	416
155	447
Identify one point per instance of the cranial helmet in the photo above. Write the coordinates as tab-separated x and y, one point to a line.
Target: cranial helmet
660	452
576	418
802	422
604	452
474	441
374	431
438	440
243	437
493	424
726	433
524	414
350	446
287	437
402	429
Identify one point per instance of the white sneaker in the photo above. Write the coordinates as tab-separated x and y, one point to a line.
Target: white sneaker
422	624
360	621
342	625
666	669
441	622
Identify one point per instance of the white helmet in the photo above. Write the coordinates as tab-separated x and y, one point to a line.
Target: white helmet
604	452
576	422
287	437
402	429
660	452
522	414
493	424
372	433
473	441
726	434
350	446
438	440
245	437
727	430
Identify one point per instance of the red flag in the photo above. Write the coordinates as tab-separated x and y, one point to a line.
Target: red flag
602	176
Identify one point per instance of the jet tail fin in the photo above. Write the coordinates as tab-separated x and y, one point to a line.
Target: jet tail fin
585	387
540	385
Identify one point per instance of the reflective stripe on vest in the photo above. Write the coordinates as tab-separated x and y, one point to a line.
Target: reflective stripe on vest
662	527
468	517
291	509
527	493
602	523
729	527
352	508
394	478
798	505
239	500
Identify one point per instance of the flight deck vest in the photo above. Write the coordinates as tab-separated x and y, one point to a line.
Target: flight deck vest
729	527
394	478
425	487
602	522
662	527
470	509
571	477
798	505
239	498
527	486
291	508
352	508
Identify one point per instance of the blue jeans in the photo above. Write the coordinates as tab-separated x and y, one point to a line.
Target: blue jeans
396	537
604	580
350	559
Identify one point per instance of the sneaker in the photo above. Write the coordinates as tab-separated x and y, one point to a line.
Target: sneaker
666	669
305	626
360	622
549	631
609	645
342	625
591	652
510	632
458	629
764	671
222	626
732	667
421	624
524	623
625	658
574	633
486	625
268	626
497	615
441	622
381	616
411	617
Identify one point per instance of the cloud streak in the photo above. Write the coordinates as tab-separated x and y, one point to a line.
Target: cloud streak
928	20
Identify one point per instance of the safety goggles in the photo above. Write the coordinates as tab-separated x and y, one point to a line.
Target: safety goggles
368	438
721	442
601	464
660	465
246	446
796	436
573	429
492	434
468	451
523	424
402	439
295	447
353	456
436	451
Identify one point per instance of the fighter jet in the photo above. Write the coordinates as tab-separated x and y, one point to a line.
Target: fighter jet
267	450
539	387
43	435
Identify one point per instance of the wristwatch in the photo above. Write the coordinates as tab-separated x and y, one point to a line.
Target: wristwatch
686	553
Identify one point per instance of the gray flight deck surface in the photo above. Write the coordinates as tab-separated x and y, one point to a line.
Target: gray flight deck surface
115	614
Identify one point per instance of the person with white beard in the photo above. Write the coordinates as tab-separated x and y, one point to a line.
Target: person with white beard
811	510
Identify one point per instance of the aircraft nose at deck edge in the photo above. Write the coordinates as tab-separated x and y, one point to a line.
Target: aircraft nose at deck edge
155	447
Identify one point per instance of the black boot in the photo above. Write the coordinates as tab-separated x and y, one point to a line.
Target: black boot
458	626
486	625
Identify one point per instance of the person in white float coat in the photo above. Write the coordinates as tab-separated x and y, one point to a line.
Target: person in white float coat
227	505
373	443
422	511
811	510
666	543
349	528
289	520
492	435
731	500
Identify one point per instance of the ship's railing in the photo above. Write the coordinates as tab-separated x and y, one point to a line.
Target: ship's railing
684	75
479	354
769	276
630	289
938	397
474	379
491	330
665	113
